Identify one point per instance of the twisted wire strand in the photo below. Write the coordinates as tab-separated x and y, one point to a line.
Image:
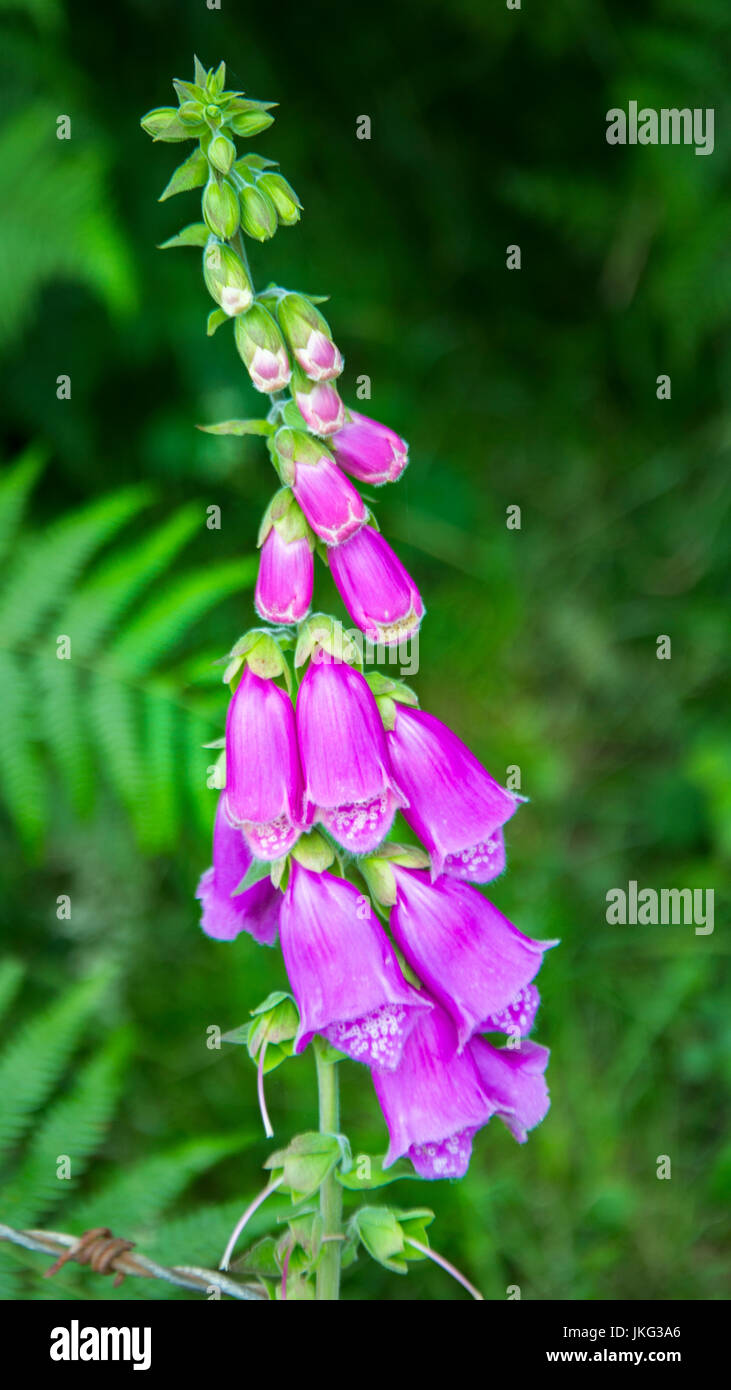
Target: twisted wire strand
109	1254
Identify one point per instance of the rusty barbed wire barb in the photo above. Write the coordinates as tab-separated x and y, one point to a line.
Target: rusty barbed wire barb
109	1254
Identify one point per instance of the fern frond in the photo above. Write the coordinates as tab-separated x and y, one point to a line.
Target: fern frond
11	974
133	1199
15	487
163	621
48	565
34	1060
71	1129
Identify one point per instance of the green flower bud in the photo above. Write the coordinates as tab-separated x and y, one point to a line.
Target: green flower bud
164	124
261	347
282	196
190	112
258	214
221	208
222	153
226	278
248	123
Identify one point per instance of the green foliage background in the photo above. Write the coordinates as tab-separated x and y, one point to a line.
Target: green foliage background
535	388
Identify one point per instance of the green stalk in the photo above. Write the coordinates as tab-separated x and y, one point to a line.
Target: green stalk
331	1193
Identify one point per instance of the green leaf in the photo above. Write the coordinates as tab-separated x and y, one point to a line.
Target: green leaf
196	234
377	1175
11	974
307	1161
257	870
238	427
192	173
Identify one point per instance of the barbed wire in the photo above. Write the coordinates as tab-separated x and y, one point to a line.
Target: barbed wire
108	1254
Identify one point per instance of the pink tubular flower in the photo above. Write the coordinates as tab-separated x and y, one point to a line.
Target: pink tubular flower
349	786
319	357
433	1102
518	1017
455	806
263	777
343	971
470	957
284	583
332	506
369	451
256	910
318	403
379	594
513	1080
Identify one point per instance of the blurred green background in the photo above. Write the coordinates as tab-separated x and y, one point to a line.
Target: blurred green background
534	387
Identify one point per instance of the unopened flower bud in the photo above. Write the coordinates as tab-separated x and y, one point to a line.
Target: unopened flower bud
226	278
164	123
328	499
308	334
222	153
258	213
319	403
282	195
261	347
190	112
221	208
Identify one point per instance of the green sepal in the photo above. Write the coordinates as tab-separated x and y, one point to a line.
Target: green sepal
292	416
255	163
214	321
307	1161
313	852
320	630
384	1231
189	91
380	1176
274	1027
238	426
200	74
414	1224
196	234
304	1230
380	1233
261	1259
257	870
192	173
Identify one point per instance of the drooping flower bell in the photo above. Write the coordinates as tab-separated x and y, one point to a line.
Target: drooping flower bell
261	348
379	594
333	507
370	451
343	971
349	785
318	402
513	1079
469	956
308	335
518	1017
263	777
286	566
455	806
433	1103
224	915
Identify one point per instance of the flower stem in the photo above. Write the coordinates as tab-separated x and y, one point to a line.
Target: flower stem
331	1193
